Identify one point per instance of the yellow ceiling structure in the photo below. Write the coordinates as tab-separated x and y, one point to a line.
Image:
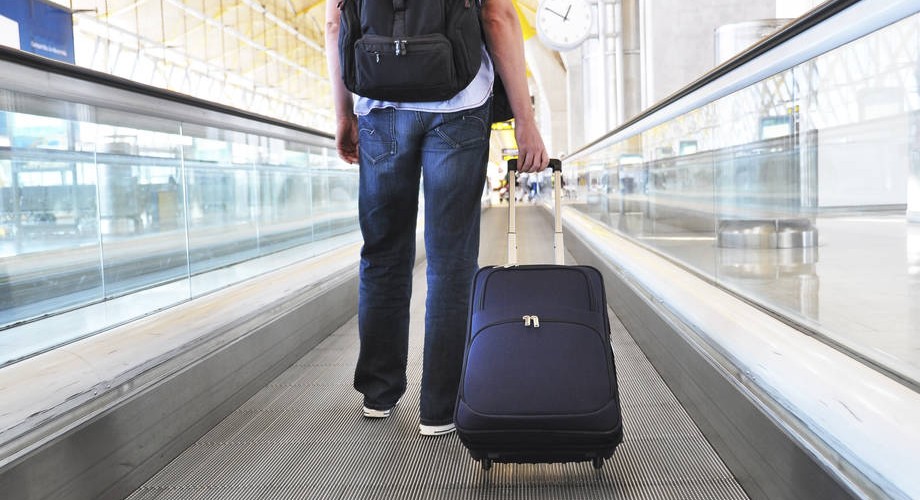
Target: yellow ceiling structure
266	56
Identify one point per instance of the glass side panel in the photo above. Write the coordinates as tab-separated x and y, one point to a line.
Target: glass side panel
800	192
335	194
221	226
49	239
286	198
141	221
107	215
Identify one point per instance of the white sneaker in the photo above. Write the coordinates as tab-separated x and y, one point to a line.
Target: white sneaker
435	430
372	413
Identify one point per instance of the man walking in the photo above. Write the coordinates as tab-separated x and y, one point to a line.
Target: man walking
445	144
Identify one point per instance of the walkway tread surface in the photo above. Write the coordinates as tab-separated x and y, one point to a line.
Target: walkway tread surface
303	435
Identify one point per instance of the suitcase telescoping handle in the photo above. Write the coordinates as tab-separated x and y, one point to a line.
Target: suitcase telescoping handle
558	247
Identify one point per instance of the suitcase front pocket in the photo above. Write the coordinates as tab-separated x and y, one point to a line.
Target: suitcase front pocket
515	287
556	368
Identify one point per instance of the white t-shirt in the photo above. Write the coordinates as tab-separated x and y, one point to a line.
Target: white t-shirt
474	95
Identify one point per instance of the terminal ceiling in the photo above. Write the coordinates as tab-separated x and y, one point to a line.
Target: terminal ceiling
274	45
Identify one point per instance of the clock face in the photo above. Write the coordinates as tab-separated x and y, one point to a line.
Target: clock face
563	24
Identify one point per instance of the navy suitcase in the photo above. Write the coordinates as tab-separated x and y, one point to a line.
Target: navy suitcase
539	381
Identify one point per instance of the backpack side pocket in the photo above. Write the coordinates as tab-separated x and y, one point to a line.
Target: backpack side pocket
349	33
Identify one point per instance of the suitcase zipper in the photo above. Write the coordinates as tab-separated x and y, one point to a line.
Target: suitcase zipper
534	321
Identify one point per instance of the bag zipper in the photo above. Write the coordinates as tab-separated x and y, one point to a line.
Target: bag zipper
534	321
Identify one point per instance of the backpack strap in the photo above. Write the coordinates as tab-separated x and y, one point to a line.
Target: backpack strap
399	18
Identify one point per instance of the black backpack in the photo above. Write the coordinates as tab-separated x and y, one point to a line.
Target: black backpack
409	50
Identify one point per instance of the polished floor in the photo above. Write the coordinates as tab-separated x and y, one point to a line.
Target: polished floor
302	436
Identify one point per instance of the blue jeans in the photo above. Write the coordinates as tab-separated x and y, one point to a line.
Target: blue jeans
448	152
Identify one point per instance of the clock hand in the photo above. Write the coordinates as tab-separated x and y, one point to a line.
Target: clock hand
566	17
558	14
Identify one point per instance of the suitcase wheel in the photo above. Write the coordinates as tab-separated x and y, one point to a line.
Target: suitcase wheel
486	463
598	462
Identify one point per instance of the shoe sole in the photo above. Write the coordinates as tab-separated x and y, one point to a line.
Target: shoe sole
435	430
372	413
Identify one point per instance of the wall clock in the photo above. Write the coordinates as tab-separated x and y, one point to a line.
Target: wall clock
564	24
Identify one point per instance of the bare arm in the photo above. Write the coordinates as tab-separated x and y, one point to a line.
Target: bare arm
346	130
506	45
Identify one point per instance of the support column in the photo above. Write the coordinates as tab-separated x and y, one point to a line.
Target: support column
575	98
913	174
547	70
632	59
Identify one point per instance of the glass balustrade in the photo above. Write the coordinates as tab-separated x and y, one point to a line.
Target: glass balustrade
799	193
98	204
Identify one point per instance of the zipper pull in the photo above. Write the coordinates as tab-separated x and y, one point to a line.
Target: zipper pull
526	320
400	47
536	321
531	320
377	56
